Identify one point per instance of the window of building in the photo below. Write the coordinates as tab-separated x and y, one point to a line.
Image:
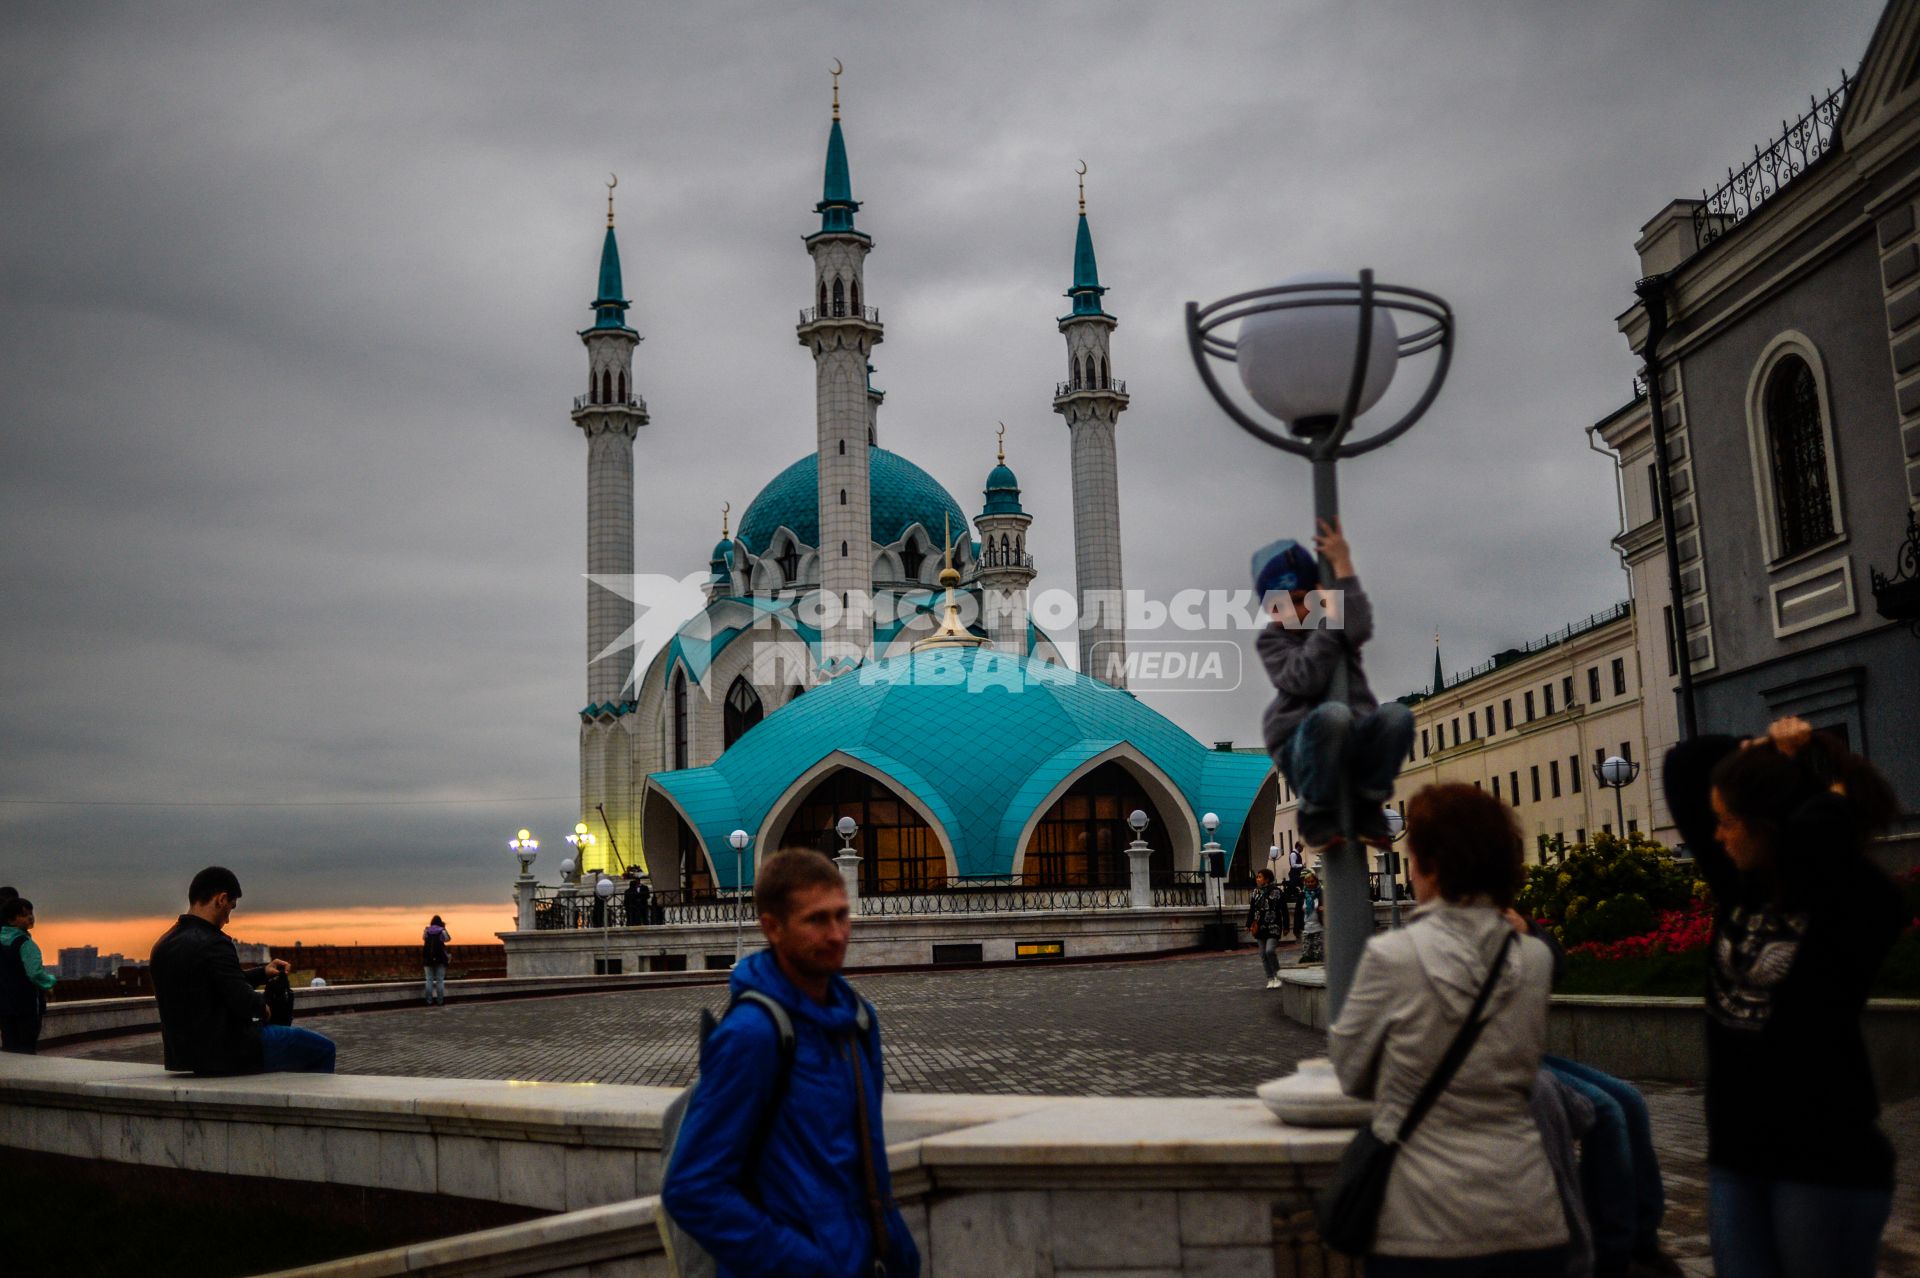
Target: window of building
1573	772
679	719
1529	707
1653	489
1533	775
843	496
1506	713
1473	725
1593	683
1797	457
789	562
1626	751
1546	694
1619	676
1566	690
843	550
1633	825
1425	750
898	850
1079	840
1489	718
911	558
1599	756
1513	787
1456	730
743	709
1496	787
839	297
1673	649
1580	836
853	297
1553	777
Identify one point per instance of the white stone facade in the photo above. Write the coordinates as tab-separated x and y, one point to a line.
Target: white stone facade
1092	411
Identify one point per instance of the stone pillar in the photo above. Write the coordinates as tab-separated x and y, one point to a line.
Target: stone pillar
849	863
1216	879
523	890
1139	875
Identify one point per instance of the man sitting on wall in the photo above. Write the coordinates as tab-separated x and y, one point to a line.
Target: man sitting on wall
211	1017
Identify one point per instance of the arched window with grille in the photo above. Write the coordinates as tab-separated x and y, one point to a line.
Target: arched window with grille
679	719
743	709
854	296
839	297
821	314
606	386
1797	457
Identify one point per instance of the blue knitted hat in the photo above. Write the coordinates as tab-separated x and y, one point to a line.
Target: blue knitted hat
1284	565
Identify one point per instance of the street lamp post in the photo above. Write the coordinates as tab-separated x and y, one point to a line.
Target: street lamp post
848	860
1139	863
1617	774
739	839
603	890
1396	830
1314	353
576	865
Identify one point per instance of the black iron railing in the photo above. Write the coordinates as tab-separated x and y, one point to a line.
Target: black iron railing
1800	143
1114	384
814	314
594	401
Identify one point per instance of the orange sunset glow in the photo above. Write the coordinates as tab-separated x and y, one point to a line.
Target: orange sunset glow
473	924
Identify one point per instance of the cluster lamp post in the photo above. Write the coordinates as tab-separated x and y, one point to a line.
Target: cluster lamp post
1314	353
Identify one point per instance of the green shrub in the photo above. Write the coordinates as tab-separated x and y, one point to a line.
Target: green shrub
1620	885
1681	975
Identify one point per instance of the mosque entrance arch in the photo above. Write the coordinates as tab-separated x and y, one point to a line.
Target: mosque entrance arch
899	851
1256	834
1081	839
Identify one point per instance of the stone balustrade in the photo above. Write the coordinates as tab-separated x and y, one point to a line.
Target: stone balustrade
991	1185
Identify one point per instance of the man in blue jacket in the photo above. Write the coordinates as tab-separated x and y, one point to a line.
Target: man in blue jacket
792	1181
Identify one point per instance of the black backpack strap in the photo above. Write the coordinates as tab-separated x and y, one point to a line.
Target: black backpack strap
1463	1041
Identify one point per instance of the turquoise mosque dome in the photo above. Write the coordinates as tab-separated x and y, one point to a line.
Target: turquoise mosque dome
982	738
1002	492
900	495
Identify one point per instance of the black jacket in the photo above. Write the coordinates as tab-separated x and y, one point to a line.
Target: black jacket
209	1012
1790	1092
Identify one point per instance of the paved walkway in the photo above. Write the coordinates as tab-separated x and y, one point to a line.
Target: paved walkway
1200	1026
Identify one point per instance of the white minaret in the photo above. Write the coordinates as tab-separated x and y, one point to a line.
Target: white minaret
1092	401
841	331
1005	569
610	414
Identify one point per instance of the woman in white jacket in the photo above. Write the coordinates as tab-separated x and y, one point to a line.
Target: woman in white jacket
1471	1193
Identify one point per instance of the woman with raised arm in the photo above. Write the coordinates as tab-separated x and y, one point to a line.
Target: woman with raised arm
1778	826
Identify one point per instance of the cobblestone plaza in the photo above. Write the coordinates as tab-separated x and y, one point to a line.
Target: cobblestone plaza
1200	1026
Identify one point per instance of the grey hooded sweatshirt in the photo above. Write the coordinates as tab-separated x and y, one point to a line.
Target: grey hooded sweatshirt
1301	664
1474	1179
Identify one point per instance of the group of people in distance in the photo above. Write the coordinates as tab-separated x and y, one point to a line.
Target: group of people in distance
1486	1183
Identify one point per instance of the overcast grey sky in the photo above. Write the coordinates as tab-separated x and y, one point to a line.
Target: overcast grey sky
291	505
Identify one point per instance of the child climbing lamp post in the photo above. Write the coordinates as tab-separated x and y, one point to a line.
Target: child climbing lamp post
1314	353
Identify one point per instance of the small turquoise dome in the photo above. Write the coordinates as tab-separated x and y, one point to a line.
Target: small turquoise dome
981	737
722	559
1002	492
901	494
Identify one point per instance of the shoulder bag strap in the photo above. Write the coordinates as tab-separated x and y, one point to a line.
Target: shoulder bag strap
1463	1041
876	1208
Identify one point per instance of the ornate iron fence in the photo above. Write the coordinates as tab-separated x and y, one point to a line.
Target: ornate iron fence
1800	143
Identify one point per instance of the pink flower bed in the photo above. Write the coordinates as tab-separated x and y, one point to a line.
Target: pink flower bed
1679	931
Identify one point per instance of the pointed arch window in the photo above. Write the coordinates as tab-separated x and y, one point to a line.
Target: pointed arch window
1075	374
623	388
789	562
606	386
843	550
1105	380
839	297
854	296
911	559
822	312
1797	455
679	719
843	496
743	709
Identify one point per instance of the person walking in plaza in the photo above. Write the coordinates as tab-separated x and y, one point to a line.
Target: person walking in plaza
434	942
1471	1193
1267	920
24	979
1778	826
635	900
1313	926
780	1165
211	1017
1321	745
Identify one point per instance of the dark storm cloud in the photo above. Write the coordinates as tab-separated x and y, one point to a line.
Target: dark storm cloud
291	507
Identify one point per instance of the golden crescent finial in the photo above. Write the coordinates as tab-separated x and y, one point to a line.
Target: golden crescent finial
726	508
1001	437
613	181
1082	171
837	70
